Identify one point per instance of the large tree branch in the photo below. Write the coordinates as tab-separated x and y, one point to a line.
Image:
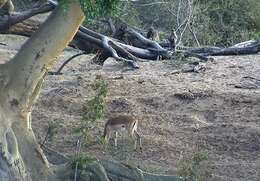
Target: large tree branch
31	63
58	72
103	42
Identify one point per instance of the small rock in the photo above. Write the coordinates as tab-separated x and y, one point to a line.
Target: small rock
173	72
118	77
140	81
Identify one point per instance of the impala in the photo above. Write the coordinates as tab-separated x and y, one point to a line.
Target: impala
120	124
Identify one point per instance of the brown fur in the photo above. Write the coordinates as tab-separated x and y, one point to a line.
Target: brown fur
122	123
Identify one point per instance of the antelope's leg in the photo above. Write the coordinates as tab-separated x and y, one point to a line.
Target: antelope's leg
107	135
133	137
138	137
135	140
116	139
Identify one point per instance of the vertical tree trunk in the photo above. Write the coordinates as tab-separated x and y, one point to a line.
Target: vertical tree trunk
20	81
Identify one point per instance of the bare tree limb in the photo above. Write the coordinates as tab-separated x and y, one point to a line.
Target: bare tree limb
58	72
194	35
7	21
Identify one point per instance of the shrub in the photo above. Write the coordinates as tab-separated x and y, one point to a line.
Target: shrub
94	108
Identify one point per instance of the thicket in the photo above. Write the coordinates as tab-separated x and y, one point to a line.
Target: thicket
215	22
226	22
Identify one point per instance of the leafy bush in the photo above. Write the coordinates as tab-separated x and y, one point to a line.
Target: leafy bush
94	108
224	23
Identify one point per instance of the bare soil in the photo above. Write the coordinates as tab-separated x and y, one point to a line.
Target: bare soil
217	111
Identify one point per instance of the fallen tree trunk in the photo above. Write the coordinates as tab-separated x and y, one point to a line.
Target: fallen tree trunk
235	51
246	44
243	48
103	44
201	50
90	41
149	49
143	49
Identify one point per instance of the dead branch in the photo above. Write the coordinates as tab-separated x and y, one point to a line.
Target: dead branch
58	72
9	20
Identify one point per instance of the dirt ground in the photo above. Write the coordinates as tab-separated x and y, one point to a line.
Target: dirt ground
217	111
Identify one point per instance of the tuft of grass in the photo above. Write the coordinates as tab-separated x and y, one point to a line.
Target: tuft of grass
195	168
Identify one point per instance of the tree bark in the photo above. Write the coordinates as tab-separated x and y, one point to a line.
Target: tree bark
21	78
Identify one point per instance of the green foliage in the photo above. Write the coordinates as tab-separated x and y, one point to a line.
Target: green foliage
224	23
21	5
128	13
256	35
94	108
64	4
94	8
195	168
82	161
98	8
